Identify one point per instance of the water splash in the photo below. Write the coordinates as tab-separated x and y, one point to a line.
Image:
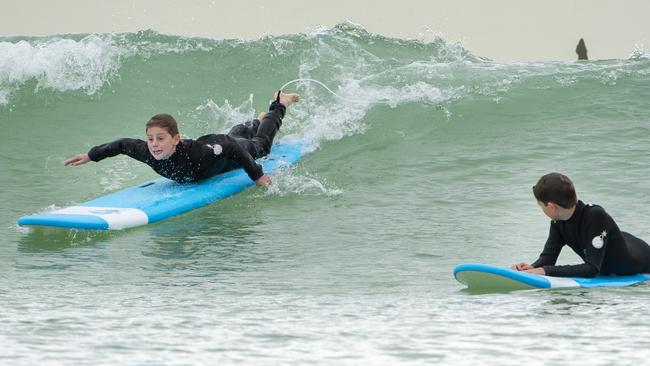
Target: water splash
211	117
119	173
58	64
292	180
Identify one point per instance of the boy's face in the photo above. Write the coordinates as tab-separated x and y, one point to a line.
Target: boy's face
161	144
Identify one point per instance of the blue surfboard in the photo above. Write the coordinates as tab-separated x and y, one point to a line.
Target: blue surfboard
486	277
161	198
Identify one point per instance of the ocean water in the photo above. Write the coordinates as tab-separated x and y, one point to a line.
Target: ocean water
425	155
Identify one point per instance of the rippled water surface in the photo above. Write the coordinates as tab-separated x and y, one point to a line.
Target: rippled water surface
424	160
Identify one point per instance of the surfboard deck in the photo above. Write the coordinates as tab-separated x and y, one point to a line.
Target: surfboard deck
160	198
487	277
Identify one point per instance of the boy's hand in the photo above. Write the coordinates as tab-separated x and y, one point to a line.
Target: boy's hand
522	266
77	160
264	181
538	270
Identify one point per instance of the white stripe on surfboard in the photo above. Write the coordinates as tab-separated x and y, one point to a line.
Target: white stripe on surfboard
561	282
117	218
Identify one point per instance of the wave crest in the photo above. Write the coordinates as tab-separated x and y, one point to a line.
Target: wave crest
58	64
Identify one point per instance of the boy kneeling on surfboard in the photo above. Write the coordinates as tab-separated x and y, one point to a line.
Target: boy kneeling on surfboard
588	230
189	160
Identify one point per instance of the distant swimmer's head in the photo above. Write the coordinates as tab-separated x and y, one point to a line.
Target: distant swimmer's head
162	136
555	195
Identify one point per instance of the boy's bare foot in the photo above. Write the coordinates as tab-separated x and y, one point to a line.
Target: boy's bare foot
286	99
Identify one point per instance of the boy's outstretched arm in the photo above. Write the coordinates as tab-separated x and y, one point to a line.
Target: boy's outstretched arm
77	160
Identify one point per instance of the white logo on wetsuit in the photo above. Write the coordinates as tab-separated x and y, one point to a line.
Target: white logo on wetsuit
599	241
216	148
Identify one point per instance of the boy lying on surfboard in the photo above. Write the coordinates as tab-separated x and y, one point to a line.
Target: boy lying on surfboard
588	230
190	160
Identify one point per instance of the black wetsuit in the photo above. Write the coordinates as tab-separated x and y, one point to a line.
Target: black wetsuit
209	155
596	238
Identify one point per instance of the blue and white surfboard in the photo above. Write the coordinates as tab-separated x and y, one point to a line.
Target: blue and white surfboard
487	277
161	198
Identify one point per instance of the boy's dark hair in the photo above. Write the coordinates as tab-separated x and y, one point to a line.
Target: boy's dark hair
556	188
165	121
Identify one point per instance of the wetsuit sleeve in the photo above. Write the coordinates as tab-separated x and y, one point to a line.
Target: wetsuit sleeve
597	233
593	249
551	249
549	255
572	270
246	161
134	148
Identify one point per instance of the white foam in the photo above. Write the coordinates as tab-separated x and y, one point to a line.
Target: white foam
318	117
4	96
336	117
214	118
290	181
58	64
119	173
639	52
87	64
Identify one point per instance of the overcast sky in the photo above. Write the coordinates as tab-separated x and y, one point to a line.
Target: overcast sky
517	30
